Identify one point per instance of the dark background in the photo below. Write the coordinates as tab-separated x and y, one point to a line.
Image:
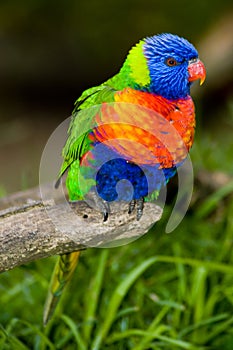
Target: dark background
50	51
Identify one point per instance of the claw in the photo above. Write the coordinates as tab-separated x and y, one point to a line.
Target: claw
105	214
105	209
100	204
139	203
132	204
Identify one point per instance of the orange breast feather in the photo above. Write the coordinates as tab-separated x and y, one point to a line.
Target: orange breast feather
147	129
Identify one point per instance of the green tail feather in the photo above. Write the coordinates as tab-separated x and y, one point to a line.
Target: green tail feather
62	274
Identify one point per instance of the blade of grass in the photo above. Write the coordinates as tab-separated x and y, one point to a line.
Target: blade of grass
209	265
222	327
17	344
212	201
170	303
37	331
129	333
93	295
152	329
181	273
126	312
116	300
227	242
179	343
197	296
182	286
138	332
73	327
8	339
203	323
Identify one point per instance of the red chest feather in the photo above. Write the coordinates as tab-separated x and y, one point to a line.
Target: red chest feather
147	129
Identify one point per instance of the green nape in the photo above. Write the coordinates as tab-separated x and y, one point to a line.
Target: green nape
134	72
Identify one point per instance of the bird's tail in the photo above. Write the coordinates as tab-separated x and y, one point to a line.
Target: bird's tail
62	274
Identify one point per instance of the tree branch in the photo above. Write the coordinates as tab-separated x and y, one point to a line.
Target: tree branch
31	229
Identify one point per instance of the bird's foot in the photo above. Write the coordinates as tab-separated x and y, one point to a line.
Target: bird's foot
104	207
106	211
97	202
132	204
139	204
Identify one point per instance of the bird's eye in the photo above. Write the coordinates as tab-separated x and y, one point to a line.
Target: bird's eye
171	62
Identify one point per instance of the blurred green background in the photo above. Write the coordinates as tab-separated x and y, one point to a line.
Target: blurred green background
50	52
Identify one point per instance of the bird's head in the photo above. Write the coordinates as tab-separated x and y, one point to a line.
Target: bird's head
166	65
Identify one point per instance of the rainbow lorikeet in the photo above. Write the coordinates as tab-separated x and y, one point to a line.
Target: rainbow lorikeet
119	118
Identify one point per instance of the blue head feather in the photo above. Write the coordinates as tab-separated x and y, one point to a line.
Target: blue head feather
169	81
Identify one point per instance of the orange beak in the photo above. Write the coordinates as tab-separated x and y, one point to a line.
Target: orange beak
196	70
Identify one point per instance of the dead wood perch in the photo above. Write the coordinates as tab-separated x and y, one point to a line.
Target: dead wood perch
29	230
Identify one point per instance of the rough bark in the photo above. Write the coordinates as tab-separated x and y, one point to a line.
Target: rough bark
31	229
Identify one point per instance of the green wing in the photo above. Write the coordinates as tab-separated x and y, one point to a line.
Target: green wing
82	123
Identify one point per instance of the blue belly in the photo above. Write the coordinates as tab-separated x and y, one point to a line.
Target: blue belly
118	179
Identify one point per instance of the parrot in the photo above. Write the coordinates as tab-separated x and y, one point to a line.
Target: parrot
120	121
